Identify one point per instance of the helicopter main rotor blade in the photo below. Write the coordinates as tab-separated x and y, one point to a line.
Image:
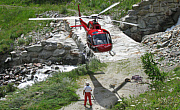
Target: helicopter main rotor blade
109	8
126	23
54	18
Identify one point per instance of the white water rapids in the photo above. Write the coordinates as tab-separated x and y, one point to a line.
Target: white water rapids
178	23
40	76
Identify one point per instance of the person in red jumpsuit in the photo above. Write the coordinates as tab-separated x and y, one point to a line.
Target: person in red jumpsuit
87	91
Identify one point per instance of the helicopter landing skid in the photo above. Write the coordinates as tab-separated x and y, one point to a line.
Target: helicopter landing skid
112	53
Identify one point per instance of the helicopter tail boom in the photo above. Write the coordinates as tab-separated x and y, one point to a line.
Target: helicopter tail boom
79	11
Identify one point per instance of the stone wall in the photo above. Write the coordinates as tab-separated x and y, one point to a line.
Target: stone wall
152	16
59	48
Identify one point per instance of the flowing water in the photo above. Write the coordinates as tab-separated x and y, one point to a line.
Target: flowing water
41	76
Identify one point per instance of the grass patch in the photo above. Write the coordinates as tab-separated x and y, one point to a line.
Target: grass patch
14	15
14	22
165	98
163	93
54	93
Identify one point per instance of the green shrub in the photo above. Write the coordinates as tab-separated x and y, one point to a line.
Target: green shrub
166	97
10	87
64	10
21	41
2	91
103	6
158	46
6	89
92	3
28	40
151	68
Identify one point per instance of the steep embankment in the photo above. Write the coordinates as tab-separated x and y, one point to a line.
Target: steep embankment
166	47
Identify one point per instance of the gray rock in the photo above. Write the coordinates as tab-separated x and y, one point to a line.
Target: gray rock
141	23
143	12
35	60
17	61
175	53
33	54
75	52
49	63
45	54
144	3
67	47
26	59
34	48
13	54
134	29
59	53
55	59
50	47
60	45
164	44
132	12
152	20
24	53
43	43
135	7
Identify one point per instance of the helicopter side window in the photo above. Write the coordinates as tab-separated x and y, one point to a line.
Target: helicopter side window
109	38
89	39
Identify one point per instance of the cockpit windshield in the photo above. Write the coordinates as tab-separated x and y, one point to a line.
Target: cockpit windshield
101	39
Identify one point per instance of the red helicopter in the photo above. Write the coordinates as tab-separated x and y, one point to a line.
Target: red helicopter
98	39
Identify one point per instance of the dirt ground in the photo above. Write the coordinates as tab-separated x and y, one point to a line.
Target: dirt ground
109	79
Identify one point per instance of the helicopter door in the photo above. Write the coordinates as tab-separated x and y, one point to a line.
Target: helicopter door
109	38
89	41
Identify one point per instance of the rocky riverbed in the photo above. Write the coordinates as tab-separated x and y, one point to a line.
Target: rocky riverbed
28	74
50	49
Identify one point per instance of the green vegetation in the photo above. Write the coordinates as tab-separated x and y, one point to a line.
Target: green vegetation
14	22
151	68
54	93
163	93
158	46
14	15
6	89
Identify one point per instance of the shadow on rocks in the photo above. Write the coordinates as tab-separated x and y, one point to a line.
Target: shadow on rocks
103	96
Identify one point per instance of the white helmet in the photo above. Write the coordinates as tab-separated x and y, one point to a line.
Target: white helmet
87	83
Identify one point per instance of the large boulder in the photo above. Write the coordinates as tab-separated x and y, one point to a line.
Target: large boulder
34	48
59	53
50	46
33	54
45	54
24	53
